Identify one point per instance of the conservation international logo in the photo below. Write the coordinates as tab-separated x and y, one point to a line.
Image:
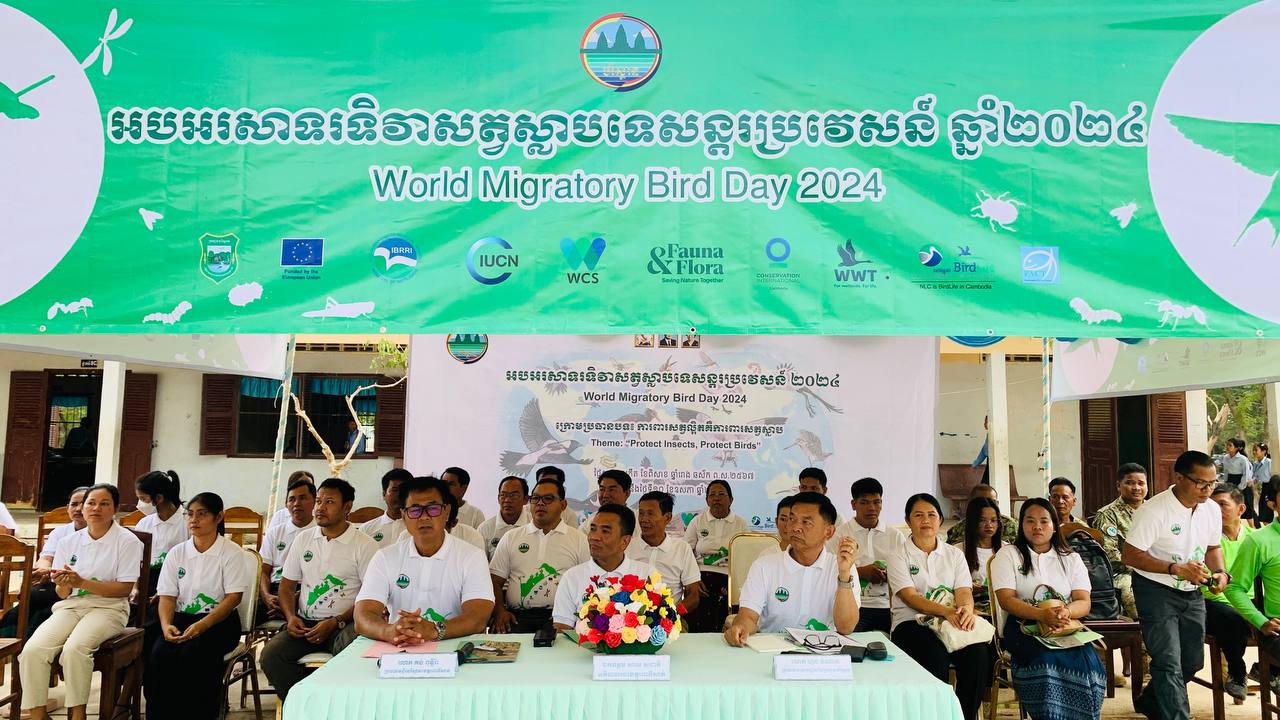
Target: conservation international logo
620	52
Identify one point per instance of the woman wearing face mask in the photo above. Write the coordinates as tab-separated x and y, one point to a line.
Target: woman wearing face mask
158	497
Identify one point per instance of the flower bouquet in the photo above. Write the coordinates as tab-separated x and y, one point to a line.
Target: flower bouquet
628	614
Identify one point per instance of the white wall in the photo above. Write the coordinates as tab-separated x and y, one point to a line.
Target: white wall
240	481
962	405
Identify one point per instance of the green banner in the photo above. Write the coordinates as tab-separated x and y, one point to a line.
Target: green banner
1077	169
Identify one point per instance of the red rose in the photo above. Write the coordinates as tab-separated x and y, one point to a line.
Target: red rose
630	620
609	609
612	639
593	636
656	599
666	625
680	609
631	583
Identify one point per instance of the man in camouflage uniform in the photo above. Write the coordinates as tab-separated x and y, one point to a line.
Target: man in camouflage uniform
1008	526
1113	521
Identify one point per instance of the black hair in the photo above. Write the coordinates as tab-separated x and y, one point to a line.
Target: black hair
82	489
618	476
1192	459
1062	481
425	483
786	502
825	508
551	470
551	481
342	486
817	473
666	503
1057	542
865	486
1264	448
165	484
395	474
1129	469
300	475
1237	443
921	497
524	484
112	490
464	477
213	503
1228	489
972	516
625	516
722	483
1271	489
301	482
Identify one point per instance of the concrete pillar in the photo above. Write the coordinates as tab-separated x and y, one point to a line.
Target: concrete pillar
998	429
1198	420
110	415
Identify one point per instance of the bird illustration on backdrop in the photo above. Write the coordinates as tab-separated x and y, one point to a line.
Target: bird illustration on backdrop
1253	146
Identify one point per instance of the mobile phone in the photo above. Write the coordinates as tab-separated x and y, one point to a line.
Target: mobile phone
545	637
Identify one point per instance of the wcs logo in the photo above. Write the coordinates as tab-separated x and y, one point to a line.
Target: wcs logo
577	260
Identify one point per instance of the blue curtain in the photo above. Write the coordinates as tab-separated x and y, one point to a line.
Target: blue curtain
70	401
262	387
366	402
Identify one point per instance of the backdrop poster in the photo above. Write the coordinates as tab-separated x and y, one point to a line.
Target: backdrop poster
1092	368
675	412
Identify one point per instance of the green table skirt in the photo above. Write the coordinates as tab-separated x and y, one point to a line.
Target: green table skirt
710	680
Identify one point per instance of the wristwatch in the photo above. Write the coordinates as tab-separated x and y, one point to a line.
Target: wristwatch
439	629
846	584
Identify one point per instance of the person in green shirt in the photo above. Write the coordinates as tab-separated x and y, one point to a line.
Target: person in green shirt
1114	521
1221	619
1259	555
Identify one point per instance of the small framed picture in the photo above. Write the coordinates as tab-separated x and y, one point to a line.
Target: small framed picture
644	341
691	341
668	341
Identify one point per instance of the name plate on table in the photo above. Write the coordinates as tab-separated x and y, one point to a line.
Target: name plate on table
631	667
419	665
812	667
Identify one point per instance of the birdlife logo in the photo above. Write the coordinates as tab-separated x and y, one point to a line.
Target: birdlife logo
1213	158
491	260
394	258
854	271
578	260
1040	265
620	52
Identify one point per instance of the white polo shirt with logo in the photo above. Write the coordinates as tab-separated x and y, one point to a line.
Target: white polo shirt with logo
328	572
114	557
576	580
1168	530
786	594
469	535
56	536
912	567
493	528
401	578
532	563
875	545
709	538
165	534
384	531
275	546
200	580
1049	571
672	558
469	514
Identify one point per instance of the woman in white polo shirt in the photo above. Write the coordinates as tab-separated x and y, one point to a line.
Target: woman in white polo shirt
709	534
981	541
200	587
925	568
159	496
1066	684
95	569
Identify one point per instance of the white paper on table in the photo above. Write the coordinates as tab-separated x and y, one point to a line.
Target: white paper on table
770	644
819	642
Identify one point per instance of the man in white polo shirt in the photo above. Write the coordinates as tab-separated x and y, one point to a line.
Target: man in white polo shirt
387	528
459	482
513	512
1173	547
318	591
805	587
528	563
608	535
300	503
671	557
429	585
877	542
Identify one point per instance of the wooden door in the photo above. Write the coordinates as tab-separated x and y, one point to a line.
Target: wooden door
1099	453
137	431
26	437
1168	436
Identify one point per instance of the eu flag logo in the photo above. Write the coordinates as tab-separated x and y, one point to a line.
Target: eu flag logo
302	252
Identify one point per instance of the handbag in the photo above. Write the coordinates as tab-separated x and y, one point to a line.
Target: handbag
952	637
1053	601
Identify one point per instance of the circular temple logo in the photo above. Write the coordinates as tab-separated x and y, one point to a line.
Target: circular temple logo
402	582
394	259
782	594
467	348
620	52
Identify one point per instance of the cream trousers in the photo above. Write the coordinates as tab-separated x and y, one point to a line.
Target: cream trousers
74	631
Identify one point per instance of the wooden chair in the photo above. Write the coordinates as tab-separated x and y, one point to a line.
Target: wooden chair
132	519
744	549
1117	634
364	514
244	526
242	664
1265	661
15	557
49	522
1002	673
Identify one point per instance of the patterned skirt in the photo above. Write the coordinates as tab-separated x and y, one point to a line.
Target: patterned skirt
1055	684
